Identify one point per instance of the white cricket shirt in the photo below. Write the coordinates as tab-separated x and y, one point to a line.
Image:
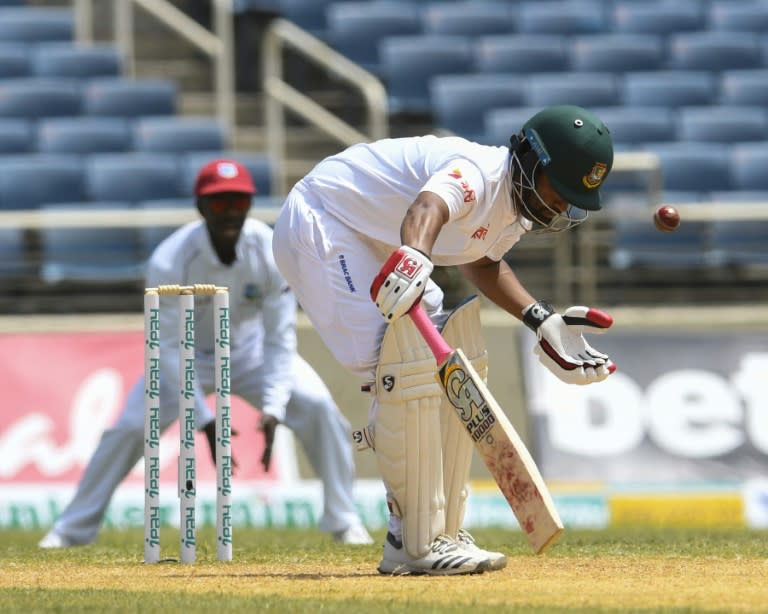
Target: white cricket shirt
370	186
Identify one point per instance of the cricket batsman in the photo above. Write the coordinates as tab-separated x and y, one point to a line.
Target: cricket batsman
411	204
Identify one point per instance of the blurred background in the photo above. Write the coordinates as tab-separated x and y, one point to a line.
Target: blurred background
109	108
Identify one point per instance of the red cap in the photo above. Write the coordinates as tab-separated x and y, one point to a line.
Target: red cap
223	176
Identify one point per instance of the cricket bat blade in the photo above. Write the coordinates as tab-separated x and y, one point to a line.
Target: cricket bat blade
497	441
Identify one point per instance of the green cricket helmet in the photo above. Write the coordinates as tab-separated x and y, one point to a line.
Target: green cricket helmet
576	151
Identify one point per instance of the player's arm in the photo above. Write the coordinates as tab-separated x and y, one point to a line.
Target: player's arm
561	346
401	281
498	282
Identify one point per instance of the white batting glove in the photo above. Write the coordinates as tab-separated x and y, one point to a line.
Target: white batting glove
401	282
562	347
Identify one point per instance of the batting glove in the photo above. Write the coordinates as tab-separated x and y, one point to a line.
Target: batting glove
401	282
562	347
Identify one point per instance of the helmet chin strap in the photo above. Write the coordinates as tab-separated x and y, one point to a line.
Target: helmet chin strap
559	221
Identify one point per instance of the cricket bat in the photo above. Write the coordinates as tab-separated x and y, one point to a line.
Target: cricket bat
495	438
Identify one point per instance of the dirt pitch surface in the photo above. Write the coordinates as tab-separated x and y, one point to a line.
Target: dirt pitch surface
300	571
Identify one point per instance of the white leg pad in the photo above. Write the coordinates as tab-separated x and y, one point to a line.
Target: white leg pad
406	421
462	330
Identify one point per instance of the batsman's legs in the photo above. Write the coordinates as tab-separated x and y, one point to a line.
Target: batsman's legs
406	424
462	329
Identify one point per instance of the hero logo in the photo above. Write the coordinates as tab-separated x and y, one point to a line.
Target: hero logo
689	413
409	267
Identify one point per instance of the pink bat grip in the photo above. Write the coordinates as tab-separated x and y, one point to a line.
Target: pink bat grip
434	339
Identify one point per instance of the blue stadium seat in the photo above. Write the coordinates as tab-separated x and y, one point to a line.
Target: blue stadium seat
583	89
669	88
90	254
714	51
749	166
737	243
566	17
261	167
409	62
616	52
520	53
722	124
132	177
151	236
632	126
14	60
76	61
83	135
355	29
309	15
14	262
130	98
178	134
744	87
691	167
28	181
16	136
33	24
501	123
468	18
727	15
657	17
638	244
33	98
461	101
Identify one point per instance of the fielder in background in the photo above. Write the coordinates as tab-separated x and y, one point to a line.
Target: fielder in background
229	249
413	203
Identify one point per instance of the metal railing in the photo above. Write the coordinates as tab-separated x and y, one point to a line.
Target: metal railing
218	44
282	34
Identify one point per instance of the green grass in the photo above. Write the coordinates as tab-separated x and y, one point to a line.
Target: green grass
646	570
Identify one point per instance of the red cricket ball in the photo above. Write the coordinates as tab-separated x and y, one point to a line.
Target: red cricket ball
666	218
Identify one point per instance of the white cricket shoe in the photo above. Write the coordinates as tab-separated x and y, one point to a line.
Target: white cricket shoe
497	559
54	540
353	535
445	558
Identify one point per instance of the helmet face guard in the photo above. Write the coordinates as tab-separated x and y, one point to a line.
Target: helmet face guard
574	149
523	172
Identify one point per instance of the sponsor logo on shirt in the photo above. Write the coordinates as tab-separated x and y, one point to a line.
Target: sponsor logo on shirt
480	233
345	272
469	193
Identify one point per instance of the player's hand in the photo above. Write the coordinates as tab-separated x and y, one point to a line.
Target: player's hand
268	426
401	282
562	347
210	436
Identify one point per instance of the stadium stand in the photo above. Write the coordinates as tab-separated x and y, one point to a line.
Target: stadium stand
692	167
657	17
726	15
75	61
131	98
83	135
749	166
468	18
34	24
668	88
35	98
178	134
714	51
459	102
15	136
89	254
616	53
584	89
14	60
29	181
567	17
409	62
722	124
633	126
356	28
520	53
131	177
744	87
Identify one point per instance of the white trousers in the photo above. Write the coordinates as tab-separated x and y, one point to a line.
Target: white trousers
311	414
330	268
